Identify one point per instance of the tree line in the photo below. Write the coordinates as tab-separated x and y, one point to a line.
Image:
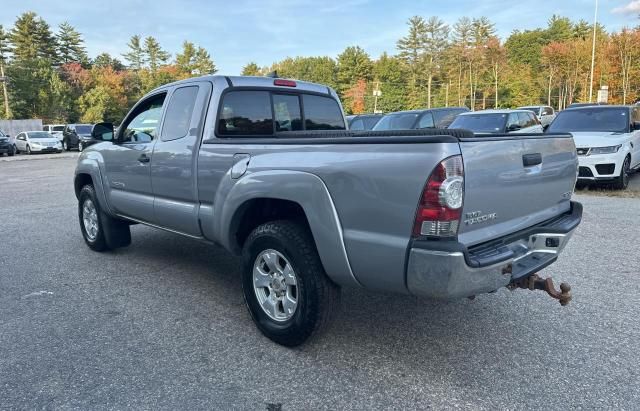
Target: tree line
50	76
465	64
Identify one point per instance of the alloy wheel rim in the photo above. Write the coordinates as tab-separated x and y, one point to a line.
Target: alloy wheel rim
90	219
275	285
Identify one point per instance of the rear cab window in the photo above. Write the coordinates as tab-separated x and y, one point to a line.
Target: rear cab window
253	113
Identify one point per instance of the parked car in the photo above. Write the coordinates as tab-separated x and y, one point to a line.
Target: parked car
77	136
363	121
545	114
419	119
576	105
607	140
37	142
498	122
6	145
54	129
315	207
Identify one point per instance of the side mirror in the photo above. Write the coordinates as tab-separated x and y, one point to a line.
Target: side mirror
102	132
513	127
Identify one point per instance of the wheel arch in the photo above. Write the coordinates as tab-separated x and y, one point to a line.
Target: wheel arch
283	194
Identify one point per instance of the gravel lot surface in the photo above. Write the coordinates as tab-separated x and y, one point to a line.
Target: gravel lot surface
162	324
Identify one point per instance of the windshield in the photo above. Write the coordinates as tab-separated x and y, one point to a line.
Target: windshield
481	123
614	120
83	129
403	121
39	134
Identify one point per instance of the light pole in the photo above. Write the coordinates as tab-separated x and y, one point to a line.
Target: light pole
593	51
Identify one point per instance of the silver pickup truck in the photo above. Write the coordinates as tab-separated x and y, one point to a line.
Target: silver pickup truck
265	168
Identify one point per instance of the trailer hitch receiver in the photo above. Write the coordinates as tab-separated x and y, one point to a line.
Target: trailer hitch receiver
534	282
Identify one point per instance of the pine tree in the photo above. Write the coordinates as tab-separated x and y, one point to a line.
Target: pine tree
24	38
46	41
70	44
135	56
411	46
203	64
104	60
155	55
185	60
436	40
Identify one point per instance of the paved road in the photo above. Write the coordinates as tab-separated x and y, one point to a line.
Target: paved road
162	324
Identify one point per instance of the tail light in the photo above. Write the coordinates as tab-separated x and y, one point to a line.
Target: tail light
440	206
284	83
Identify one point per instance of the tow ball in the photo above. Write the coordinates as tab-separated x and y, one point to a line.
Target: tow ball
534	282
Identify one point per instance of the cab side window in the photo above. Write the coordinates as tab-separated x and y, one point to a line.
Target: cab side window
179	112
142	125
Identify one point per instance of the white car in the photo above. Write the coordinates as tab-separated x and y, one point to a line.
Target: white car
54	129
545	114
37	142
498	122
607	139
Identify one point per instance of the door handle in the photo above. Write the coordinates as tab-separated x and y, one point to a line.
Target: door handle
530	160
143	158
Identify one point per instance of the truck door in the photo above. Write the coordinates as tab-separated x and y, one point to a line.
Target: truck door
173	168
128	162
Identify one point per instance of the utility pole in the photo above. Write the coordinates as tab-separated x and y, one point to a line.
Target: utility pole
376	93
593	52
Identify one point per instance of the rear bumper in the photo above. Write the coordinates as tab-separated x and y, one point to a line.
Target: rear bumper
448	270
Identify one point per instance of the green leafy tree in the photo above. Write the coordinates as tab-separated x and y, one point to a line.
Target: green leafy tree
70	45
390	77
203	63
251	69
315	69
135	56
154	54
194	60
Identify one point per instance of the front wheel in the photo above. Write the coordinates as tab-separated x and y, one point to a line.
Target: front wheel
65	146
101	232
80	147
622	181
12	151
28	150
285	286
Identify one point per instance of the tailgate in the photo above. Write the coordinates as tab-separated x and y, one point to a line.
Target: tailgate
514	182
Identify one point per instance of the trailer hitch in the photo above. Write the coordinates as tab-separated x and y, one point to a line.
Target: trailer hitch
534	282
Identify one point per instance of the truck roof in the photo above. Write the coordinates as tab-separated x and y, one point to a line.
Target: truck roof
255	81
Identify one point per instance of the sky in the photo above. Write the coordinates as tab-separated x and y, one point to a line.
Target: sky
264	31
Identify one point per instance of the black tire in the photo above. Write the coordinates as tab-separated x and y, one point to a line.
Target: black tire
12	151
111	232
622	181
80	147
318	297
15	148
28	149
65	145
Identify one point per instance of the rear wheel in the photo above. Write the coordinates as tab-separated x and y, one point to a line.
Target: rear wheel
101	232
285	287
622	181
65	145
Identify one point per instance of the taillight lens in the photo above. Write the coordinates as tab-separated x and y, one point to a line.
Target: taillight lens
440	206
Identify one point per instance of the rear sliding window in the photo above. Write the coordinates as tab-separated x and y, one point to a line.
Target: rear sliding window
263	113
